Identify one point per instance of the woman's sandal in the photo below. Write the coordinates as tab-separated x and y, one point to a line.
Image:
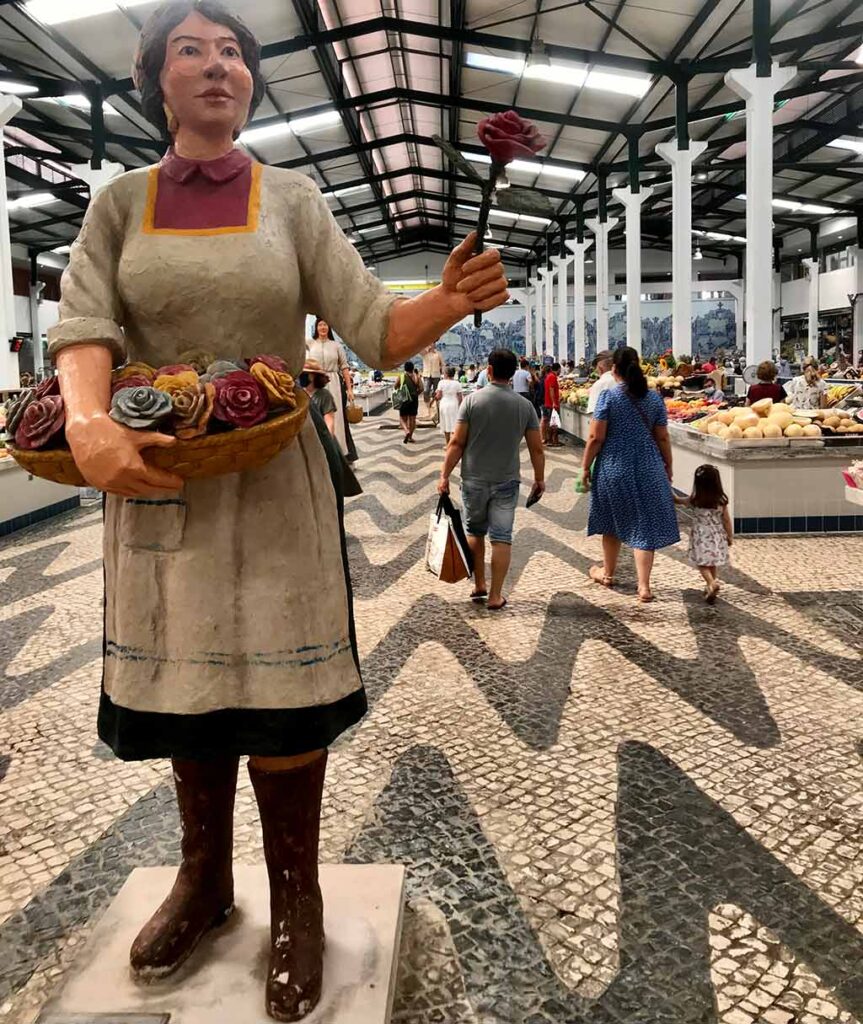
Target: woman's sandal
712	593
645	596
497	607
479	595
598	576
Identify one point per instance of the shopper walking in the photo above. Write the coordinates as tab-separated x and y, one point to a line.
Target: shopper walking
712	531
323	349
631	501
551	404
522	380
448	397
487	441
409	410
314	381
433	370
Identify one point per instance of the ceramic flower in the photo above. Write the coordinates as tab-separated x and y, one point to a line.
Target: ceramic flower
198	358
49	386
135	370
175	369
240	400
218	368
279	386
134	380
141	408
16	409
42	421
174	382
507	136
273	362
193	407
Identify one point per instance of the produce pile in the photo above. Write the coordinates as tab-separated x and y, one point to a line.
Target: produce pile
665	382
682	411
573	394
766	420
838	393
201	395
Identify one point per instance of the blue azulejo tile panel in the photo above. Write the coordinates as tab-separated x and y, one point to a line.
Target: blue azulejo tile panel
38	516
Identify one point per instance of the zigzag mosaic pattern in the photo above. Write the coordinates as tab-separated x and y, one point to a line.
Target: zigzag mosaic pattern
609	812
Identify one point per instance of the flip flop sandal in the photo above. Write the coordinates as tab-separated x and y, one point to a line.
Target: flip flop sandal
712	594
598	576
498	607
479	595
647	598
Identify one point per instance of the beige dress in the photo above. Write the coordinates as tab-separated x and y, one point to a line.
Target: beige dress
228	606
330	354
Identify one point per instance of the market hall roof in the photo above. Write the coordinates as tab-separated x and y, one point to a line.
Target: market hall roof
356	88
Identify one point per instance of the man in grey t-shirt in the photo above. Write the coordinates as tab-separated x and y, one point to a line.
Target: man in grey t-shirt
487	441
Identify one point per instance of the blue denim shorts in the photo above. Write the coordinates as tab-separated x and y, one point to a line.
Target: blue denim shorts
490	509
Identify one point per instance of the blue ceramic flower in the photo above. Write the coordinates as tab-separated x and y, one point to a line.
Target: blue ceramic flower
141	408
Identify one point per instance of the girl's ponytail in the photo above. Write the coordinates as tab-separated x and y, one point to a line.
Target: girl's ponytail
627	362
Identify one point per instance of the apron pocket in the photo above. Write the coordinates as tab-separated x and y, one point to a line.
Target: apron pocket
153	524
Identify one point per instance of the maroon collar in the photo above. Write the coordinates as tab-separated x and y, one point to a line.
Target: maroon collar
225	168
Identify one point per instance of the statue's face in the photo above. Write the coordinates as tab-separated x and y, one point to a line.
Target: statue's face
323	329
206	83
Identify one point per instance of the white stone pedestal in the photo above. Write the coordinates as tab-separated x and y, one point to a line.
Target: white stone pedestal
224	979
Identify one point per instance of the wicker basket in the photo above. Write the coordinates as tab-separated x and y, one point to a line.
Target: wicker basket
235	451
355	413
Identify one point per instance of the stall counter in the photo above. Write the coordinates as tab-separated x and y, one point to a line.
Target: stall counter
25	499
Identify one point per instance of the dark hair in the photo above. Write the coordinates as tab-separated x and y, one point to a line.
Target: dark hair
318	321
450	371
409	367
503	363
555	367
472	366
524	364
707	489
603	357
627	362
766	371
150	56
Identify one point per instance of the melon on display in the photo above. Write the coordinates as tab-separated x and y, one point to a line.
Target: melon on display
747	419
771	429
762	407
715	426
734	433
812	430
726	417
781	419
752	433
794	430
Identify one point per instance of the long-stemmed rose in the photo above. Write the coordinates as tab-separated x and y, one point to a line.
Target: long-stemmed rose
141	408
240	400
506	136
193	407
42	422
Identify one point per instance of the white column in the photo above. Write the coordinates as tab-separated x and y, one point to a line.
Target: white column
522	296
759	94
99	177
547	275
601	231
777	314
540	306
813	272
632	204
681	161
579	251
36	331
528	322
9	377
857	337
562	263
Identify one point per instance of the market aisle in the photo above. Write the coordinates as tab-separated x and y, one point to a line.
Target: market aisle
610	812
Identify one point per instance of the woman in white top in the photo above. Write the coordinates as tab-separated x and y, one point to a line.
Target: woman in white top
806	391
448	396
323	348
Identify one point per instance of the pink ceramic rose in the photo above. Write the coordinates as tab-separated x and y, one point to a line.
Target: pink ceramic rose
42	422
508	136
240	400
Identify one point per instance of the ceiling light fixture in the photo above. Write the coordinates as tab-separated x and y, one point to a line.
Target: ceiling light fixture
297	126
854	145
30	200
17	89
560	73
53	12
340	192
76	101
698	255
532	167
371	231
61	250
796	206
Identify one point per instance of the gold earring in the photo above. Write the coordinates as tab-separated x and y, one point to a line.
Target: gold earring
173	123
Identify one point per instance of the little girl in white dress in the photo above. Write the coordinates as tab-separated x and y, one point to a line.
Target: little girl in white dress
712	532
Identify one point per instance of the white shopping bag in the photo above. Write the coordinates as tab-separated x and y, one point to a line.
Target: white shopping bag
554	422
447	553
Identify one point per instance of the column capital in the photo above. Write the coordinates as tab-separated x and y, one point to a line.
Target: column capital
746	83
520	295
578	248
546	272
97	178
9	107
561	261
598	227
630	199
535	282
670	152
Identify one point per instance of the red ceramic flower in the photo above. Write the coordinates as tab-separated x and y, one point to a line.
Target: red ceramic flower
272	362
42	421
134	380
175	369
507	136
49	386
240	400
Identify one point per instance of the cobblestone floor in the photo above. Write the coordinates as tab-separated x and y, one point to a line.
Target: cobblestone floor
609	812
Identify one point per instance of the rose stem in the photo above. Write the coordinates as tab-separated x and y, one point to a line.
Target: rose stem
484	210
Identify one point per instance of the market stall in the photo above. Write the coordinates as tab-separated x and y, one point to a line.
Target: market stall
25	500
372	398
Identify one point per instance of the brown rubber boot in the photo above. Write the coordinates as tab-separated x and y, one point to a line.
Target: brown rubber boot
290	806
203	893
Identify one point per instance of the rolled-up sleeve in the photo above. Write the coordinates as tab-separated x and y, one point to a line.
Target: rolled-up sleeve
337	286
90	306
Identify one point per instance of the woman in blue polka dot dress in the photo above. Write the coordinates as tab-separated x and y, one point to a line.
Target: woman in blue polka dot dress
631	501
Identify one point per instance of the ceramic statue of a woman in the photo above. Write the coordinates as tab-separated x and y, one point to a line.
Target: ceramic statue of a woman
212	648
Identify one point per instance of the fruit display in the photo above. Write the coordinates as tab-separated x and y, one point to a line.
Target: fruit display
682	411
664	381
574	394
762	422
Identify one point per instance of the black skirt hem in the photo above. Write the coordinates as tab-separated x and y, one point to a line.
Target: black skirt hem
261	732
